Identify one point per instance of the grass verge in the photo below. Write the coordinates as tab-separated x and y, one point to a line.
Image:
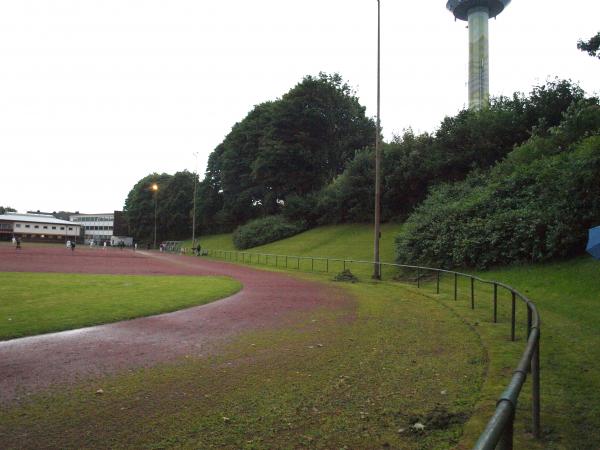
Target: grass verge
34	303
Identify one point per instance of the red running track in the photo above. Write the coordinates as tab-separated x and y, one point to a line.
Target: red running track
267	300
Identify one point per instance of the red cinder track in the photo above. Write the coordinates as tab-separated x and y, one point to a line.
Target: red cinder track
267	300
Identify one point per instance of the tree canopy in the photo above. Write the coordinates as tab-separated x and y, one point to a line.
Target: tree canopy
592	47
174	202
289	147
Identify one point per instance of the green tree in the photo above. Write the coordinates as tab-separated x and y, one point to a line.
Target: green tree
293	146
139	207
592	47
175	206
7	209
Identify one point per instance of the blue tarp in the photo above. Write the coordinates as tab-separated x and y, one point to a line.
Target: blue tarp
593	245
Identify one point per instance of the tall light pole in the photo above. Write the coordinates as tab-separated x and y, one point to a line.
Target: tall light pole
155	190
377	236
194	206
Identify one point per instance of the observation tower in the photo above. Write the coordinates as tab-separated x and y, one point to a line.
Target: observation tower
478	13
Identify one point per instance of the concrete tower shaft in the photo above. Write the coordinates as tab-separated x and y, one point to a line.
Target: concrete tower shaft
479	61
478	13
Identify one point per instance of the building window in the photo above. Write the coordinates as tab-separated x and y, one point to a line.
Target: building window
36	226
70	228
54	228
62	228
26	226
45	227
18	225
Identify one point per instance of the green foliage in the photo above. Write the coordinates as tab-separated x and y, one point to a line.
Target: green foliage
265	230
592	47
174	202
470	140
293	146
534	206
7	209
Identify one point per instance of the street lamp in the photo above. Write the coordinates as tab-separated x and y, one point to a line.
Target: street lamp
194	205
377	236
155	190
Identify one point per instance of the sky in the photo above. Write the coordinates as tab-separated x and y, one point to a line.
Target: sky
97	94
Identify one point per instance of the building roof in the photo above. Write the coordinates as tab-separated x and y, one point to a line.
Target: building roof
35	218
93	215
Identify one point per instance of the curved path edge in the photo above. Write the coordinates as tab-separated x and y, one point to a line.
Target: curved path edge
267	300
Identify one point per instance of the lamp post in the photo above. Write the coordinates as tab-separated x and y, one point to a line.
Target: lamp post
155	190
377	232
194	205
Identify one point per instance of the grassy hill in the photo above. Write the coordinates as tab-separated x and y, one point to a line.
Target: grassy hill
567	294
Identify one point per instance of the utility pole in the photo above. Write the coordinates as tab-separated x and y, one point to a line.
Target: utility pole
377	265
194	206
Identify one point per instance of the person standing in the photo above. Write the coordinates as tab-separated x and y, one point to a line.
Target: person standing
73	246
18	243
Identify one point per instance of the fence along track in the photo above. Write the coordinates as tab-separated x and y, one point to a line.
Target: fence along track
498	433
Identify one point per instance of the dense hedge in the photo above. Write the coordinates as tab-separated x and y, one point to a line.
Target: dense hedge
265	230
535	205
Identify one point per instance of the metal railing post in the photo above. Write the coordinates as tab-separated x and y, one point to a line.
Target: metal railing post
418	278
312	264
327	265
513	317
535	389
437	288
506	441
472	293
455	286
495	302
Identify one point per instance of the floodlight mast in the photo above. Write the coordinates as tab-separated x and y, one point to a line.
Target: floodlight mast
478	13
377	227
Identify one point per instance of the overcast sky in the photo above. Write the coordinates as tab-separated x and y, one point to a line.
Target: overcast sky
94	95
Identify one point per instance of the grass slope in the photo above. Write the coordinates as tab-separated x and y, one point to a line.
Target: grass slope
34	303
354	377
348	241
567	294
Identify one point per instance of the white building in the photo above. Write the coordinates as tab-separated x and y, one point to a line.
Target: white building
97	227
37	227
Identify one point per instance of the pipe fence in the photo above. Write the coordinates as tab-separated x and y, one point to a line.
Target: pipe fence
498	433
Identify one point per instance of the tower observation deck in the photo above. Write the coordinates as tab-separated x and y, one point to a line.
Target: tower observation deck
478	13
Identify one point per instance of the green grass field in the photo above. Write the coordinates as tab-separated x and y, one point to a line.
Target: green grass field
34	303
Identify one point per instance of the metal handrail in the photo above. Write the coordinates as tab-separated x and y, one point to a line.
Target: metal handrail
498	433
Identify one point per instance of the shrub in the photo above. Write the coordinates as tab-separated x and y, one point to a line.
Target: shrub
262	231
534	206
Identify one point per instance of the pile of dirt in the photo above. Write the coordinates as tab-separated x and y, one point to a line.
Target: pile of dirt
346	276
